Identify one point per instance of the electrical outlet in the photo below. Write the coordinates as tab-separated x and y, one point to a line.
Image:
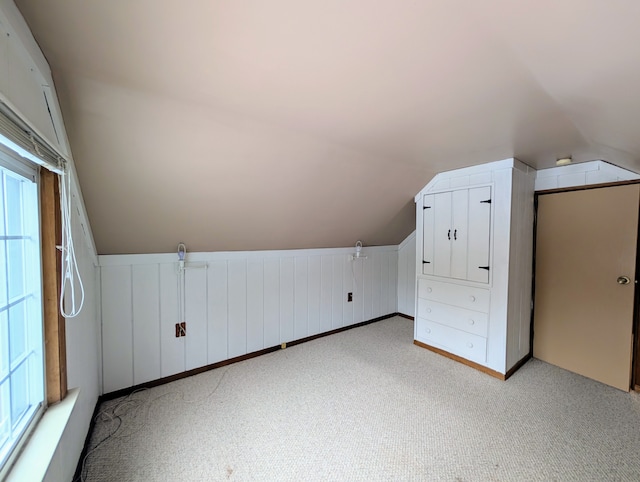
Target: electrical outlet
283	345
349	297
181	329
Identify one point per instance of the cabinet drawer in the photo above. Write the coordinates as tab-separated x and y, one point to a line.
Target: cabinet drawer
469	297
474	322
467	345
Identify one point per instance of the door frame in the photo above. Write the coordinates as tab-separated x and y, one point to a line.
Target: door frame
635	360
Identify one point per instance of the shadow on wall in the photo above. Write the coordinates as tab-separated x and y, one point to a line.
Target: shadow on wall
403	223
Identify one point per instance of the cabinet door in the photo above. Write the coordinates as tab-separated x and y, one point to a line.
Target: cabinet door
479	233
442	235
460	221
428	220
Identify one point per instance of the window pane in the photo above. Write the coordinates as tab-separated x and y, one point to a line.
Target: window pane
30	210
4	345
36	375
15	248
21	341
3	275
19	392
17	332
5	419
14	206
2	176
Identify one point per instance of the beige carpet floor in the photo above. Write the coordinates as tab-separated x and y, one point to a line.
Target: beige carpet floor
367	404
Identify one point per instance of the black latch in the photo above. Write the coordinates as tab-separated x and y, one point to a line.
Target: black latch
426	262
484	267
426	207
488	201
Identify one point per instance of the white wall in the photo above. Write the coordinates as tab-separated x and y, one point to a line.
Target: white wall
241	303
407	276
83	362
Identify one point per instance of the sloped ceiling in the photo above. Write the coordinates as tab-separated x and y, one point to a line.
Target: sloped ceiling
245	124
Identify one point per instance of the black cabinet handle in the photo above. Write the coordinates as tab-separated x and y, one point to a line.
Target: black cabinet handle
455	234
449	235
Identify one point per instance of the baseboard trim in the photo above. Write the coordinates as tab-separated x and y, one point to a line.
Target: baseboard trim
408	317
477	366
77	476
339	330
518	365
459	359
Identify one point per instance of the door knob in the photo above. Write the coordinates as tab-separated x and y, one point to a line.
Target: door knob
623	280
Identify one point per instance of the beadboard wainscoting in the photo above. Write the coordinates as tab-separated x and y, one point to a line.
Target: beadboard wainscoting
407	276
235	303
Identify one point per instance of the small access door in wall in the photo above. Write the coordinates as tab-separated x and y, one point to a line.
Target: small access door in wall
456	227
479	232
428	223
442	234
459	230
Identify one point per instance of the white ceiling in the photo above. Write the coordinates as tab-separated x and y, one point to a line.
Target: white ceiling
238	125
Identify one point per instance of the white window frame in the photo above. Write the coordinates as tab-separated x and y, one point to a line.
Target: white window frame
17	167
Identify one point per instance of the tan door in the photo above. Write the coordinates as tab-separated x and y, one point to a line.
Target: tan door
583	316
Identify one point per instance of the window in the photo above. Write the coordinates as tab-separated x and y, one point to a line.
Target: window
21	337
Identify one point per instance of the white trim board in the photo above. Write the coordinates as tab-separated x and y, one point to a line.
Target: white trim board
581	174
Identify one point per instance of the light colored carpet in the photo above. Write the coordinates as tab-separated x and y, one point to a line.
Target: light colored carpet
367	404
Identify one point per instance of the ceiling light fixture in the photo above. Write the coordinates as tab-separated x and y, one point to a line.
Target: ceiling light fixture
564	161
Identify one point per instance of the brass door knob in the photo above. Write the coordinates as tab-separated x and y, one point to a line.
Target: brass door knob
623	280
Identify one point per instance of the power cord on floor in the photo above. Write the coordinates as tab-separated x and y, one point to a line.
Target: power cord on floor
108	416
115	415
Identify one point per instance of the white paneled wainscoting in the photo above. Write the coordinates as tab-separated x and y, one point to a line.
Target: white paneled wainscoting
234	303
407	275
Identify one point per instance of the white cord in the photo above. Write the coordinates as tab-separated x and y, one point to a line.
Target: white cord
70	269
110	416
182	253
353	276
353	259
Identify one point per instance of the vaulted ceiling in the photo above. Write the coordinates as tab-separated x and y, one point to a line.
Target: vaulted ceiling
246	124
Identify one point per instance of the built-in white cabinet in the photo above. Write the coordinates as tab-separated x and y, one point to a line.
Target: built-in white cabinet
456	232
475	246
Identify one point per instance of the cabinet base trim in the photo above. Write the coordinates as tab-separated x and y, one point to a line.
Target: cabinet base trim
477	366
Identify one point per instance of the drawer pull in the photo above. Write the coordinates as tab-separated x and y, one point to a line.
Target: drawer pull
472	298
429	290
470	345
428	330
428	310
472	322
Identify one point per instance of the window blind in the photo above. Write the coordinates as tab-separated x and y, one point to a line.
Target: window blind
19	137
